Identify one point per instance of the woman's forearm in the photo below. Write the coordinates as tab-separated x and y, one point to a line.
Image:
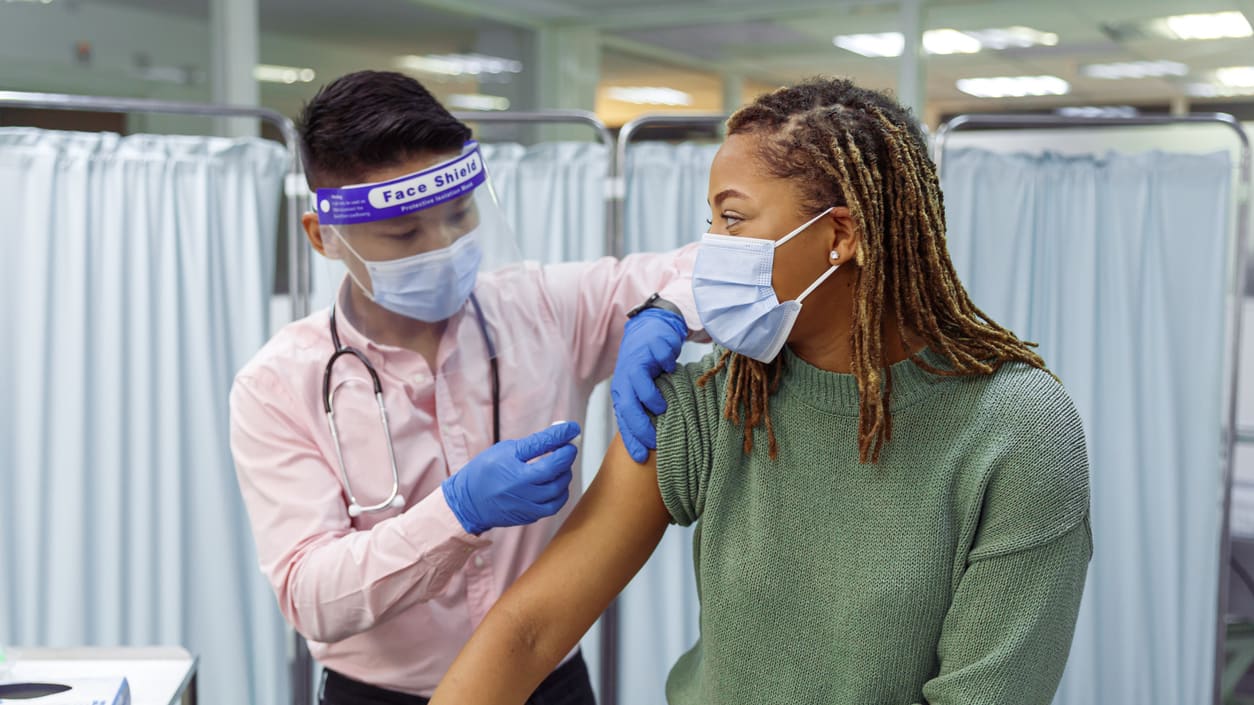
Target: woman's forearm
506	658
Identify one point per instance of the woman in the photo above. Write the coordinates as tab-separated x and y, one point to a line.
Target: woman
891	509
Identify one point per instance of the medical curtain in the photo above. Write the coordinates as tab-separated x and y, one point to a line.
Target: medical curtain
136	278
1116	265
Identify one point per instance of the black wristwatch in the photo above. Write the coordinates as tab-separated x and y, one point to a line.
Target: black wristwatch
655	300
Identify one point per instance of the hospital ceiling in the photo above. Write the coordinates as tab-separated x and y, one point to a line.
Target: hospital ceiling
664	42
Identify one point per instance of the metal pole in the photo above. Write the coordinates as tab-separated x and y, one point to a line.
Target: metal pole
613	247
626	134
610	620
911	86
1244	194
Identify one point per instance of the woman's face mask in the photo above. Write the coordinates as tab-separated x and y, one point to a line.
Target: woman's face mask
735	297
748	282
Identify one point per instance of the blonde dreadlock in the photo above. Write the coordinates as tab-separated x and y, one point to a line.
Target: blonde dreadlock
848	146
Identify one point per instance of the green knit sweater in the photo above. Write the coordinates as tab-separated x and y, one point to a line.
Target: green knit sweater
949	573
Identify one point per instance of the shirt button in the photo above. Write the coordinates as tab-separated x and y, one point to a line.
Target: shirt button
478	561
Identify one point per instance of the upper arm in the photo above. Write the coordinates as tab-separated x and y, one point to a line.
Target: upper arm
688	437
286	483
604	542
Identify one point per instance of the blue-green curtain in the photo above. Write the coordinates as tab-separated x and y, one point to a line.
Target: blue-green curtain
136	280
1117	265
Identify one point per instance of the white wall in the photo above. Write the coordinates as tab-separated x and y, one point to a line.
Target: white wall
37	54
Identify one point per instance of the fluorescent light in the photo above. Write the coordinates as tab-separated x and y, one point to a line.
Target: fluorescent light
1216	25
648	95
946	41
1235	76
1135	69
478	101
1087	111
950	41
873	45
459	64
1014	38
271	73
1213	90
1014	86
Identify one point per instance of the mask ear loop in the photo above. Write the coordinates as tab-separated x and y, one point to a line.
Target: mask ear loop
809	290
784	240
831	270
338	240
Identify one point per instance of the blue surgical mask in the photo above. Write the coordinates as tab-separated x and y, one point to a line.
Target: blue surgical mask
431	286
731	283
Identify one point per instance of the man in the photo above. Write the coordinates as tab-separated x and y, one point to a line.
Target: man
406	454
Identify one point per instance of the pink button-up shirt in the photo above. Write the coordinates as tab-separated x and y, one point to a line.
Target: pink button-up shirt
390	597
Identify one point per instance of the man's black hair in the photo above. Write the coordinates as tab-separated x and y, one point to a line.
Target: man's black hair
369	120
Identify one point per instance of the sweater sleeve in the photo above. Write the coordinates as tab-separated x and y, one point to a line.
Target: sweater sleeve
686	438
1008	630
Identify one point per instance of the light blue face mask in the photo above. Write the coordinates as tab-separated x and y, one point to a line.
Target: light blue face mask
731	283
431	286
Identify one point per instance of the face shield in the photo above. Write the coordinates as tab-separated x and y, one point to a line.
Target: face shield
435	246
416	244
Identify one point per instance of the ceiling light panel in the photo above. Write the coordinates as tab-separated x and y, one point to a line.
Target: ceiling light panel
947	41
1134	69
1215	25
459	64
648	95
1014	86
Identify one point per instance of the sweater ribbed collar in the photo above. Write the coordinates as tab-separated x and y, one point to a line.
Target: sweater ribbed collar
838	393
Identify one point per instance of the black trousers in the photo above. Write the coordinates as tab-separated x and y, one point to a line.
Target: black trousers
568	685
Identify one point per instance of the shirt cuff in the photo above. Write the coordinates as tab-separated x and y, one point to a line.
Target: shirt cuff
679	292
432	521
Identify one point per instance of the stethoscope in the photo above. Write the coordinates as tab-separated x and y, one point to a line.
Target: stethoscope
394	500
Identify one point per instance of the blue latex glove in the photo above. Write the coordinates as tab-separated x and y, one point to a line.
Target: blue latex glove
499	487
651	344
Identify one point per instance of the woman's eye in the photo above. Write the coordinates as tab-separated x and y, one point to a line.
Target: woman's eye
709	222
730	219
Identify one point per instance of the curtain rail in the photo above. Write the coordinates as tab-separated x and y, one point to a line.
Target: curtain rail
298	265
565	117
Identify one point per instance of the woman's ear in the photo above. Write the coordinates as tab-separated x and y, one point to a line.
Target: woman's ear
845	240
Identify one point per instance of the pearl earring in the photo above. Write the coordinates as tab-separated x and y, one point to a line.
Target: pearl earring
835	254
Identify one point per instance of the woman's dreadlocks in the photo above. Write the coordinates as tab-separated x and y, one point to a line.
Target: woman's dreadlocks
848	146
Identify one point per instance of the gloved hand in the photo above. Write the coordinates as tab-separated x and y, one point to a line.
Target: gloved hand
499	487
651	343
